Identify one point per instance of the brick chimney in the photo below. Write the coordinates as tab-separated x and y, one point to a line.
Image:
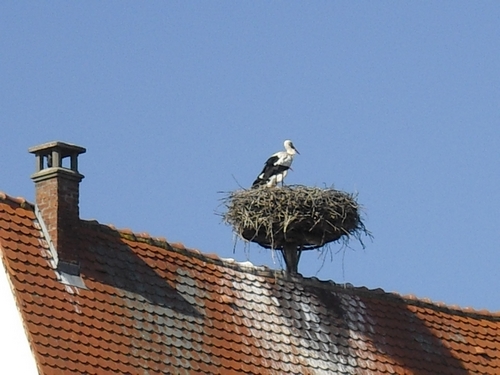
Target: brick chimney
57	195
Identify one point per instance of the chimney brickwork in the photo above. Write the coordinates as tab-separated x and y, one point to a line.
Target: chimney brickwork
57	195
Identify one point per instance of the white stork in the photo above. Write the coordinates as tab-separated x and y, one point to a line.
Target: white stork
276	167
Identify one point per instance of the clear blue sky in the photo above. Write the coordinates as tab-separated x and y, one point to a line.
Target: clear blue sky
398	101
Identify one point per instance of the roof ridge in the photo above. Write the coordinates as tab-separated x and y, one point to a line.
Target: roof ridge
265	271
21	201
413	300
180	248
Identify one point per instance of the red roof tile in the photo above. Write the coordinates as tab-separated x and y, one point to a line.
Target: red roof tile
155	307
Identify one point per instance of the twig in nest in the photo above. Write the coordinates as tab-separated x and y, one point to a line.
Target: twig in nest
307	217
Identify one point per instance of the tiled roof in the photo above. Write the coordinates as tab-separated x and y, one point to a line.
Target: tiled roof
151	307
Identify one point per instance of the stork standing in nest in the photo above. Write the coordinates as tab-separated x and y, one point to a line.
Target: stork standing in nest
276	167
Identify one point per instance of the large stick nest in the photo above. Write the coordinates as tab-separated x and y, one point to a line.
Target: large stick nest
307	217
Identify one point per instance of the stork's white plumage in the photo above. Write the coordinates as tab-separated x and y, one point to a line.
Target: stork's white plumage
277	166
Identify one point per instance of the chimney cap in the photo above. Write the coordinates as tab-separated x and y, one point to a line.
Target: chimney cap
49	159
67	149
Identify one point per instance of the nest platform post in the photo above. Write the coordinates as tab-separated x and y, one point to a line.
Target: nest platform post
291	254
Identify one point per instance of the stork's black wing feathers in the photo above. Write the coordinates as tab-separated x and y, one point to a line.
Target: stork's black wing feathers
269	170
270	162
